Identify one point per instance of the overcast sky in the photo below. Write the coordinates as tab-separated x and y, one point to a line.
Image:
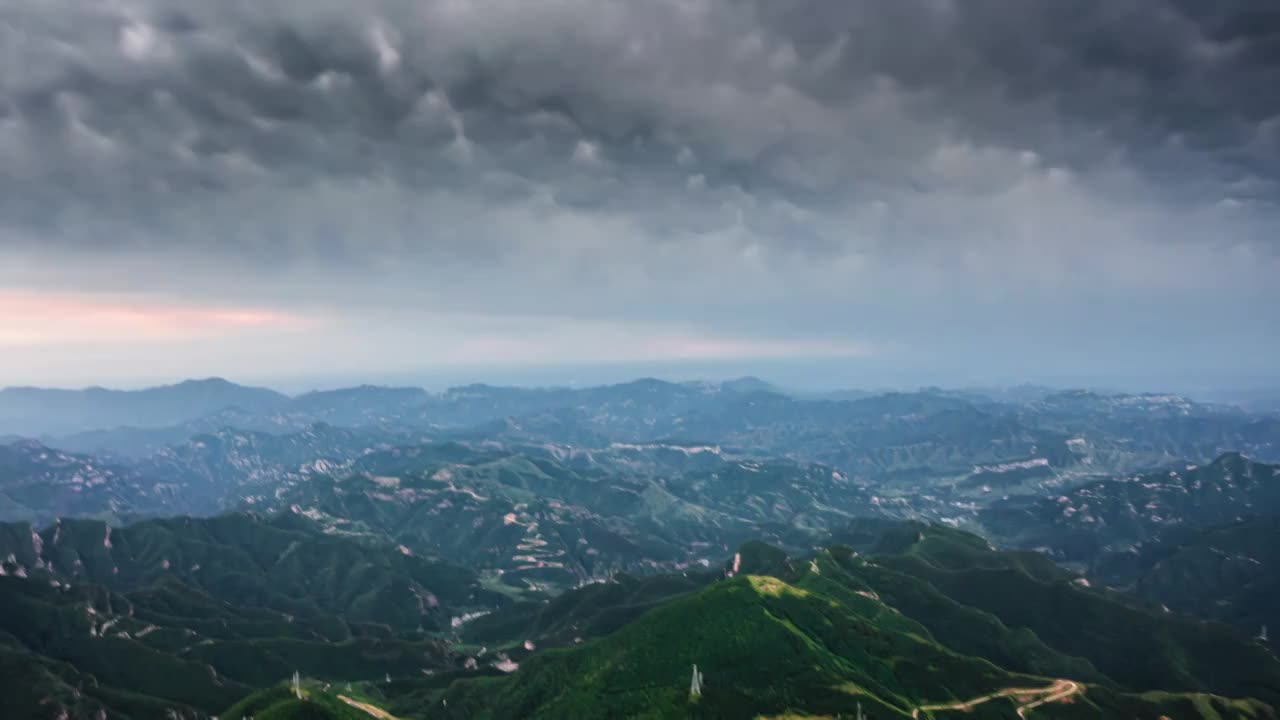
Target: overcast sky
835	193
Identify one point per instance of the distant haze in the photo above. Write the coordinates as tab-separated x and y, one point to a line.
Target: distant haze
804	376
893	194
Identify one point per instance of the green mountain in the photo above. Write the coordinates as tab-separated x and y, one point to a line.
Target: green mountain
192	615
555	518
283	565
1229	573
586	612
318	701
933	623
1200	540
1137	648
1118	514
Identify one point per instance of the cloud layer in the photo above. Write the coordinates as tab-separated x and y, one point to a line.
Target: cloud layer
926	175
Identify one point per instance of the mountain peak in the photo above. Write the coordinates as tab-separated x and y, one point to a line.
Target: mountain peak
1231	457
748	383
208	381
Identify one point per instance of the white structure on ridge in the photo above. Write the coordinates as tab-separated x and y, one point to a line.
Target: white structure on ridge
297	685
695	687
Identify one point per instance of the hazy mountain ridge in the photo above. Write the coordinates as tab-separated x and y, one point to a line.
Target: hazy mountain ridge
1114	515
39	483
571	516
1122	430
34	412
605	475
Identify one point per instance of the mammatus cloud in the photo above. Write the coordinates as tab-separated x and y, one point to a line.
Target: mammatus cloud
1087	181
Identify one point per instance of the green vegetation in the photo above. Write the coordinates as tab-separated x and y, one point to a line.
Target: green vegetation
1136	648
193	614
763	646
282	566
591	611
936	618
1229	573
318	702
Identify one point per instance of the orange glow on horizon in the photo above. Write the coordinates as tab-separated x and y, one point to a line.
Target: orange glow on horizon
32	318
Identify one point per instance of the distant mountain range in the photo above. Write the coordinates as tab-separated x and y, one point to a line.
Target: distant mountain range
37	412
931	437
34	412
540	514
597	484
1117	515
745	411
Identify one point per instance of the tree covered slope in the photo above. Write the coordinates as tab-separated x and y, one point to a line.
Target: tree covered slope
191	615
931	624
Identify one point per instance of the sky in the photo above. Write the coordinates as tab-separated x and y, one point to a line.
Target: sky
826	193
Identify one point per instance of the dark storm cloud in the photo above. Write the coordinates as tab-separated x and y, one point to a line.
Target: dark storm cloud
669	134
1163	84
979	183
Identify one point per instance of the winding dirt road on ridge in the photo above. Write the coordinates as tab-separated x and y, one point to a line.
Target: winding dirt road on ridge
374	711
1066	688
1060	690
